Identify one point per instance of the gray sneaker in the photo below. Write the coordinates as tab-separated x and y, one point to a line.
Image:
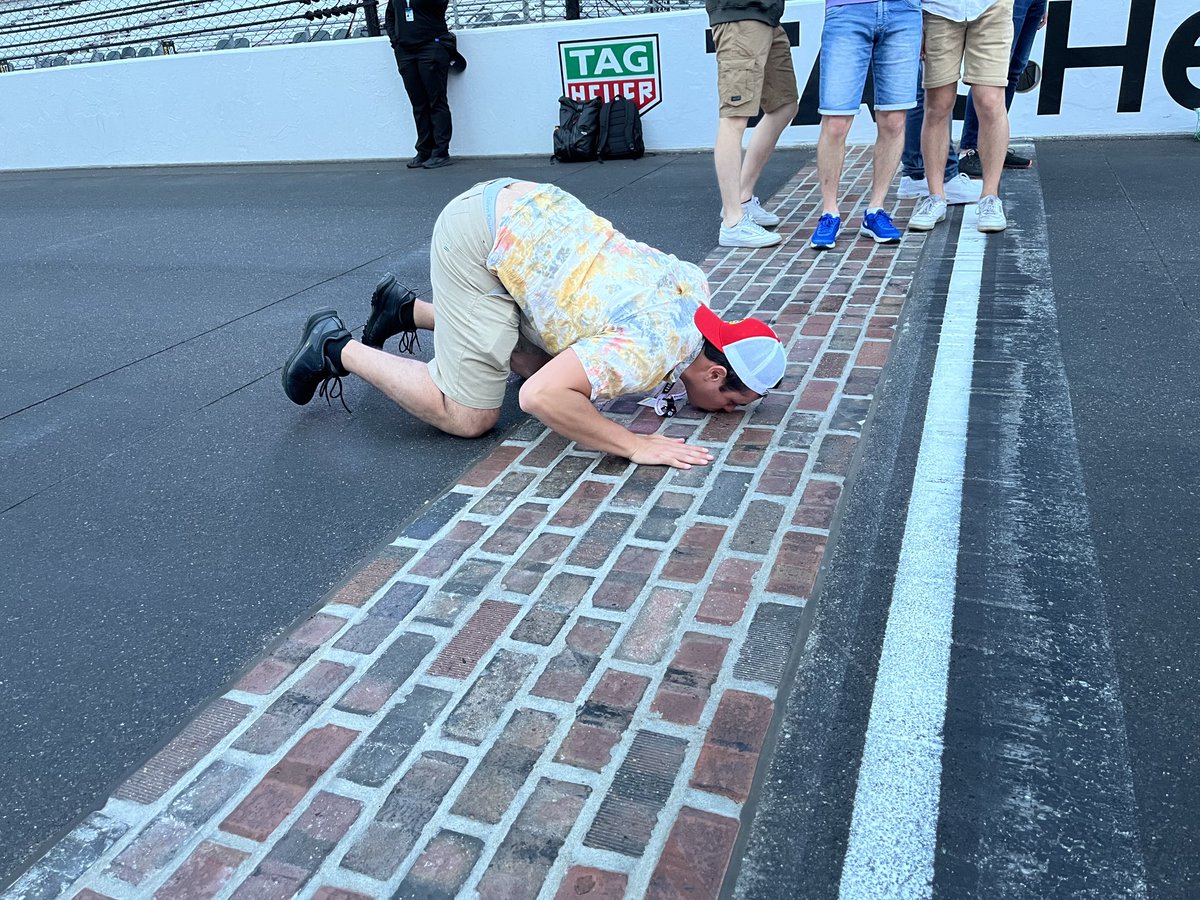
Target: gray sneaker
991	215
929	212
747	234
758	215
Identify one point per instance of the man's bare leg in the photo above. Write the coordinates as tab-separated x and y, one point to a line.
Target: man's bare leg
408	384
889	145
762	145
727	155
935	133
993	134
831	157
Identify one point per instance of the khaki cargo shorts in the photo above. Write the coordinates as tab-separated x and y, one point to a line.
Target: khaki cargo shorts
477	323
754	68
980	50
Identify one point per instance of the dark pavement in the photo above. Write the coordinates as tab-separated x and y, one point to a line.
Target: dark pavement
1070	763
166	512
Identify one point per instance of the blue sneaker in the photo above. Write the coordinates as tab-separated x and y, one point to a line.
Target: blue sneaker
878	225
827	231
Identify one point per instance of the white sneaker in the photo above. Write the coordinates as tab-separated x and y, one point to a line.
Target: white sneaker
758	215
913	187
928	213
963	189
991	215
748	234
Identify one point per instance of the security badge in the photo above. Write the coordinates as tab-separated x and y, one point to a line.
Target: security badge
408	13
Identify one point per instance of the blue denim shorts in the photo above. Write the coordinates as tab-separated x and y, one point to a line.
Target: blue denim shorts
883	36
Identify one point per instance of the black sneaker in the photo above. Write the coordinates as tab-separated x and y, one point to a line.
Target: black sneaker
1015	161
391	313
436	162
417	161
310	366
969	164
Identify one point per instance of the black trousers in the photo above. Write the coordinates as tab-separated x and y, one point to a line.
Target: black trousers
425	70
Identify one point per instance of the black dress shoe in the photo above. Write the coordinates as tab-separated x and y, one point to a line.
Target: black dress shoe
436	162
391	313
417	161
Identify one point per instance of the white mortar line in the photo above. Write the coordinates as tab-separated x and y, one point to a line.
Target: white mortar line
893	832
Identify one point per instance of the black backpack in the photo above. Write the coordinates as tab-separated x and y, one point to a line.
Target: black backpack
621	130
576	137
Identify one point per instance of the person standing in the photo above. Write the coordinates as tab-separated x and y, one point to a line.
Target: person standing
973	37
1029	16
884	36
754	72
960	189
414	28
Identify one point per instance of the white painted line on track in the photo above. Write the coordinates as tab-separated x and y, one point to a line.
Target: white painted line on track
893	832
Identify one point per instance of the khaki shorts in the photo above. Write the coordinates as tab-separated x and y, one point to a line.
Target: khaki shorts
754	68
476	323
980	50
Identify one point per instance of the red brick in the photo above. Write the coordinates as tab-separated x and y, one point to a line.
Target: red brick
443	866
591	884
695	857
804	350
518	525
289	713
647	638
733	744
831	365
603	719
862	382
685	688
725	600
204	873
492	467
836	454
468	646
817	396
265	677
331	893
873	353
749	448
818	504
817	325
783	473
588	746
581	504
626	578
438	558
795	570
526	573
694	553
881	327
285	785
363	584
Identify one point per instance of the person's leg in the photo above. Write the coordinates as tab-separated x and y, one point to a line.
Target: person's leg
987	50
779	100
944	42
970	132
847	41
410	72
935	136
912	163
727	154
993	132
407	383
435	70
889	144
1027	19
895	61
831	157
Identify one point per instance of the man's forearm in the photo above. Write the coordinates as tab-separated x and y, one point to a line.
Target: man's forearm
572	415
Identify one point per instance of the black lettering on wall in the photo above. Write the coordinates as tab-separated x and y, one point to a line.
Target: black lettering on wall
1132	57
1181	54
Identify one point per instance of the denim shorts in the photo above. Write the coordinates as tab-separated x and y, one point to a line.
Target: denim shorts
883	36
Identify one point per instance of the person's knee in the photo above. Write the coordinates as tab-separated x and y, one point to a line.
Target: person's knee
891	122
465	422
939	102
989	102
837	127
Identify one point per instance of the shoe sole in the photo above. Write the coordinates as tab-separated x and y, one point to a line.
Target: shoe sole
867	232
312	320
1028	165
992	229
914	226
746	246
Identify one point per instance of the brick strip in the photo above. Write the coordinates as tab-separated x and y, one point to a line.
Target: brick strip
468	647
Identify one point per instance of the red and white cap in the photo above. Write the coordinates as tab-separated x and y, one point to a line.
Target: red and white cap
752	348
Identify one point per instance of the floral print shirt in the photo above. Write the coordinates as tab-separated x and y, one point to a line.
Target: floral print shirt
625	308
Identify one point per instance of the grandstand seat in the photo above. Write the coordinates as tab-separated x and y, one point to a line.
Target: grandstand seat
300	37
128	53
222	44
240	42
321	35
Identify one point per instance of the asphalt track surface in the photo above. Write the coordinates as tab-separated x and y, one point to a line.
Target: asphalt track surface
1070	763
166	512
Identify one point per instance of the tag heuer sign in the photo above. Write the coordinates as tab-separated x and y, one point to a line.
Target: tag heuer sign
612	67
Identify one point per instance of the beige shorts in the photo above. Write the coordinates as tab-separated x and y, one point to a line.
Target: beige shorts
980	50
754	68
476	322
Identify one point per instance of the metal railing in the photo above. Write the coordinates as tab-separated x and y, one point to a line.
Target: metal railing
41	33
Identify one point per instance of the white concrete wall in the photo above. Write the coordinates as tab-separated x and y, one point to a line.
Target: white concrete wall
344	99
